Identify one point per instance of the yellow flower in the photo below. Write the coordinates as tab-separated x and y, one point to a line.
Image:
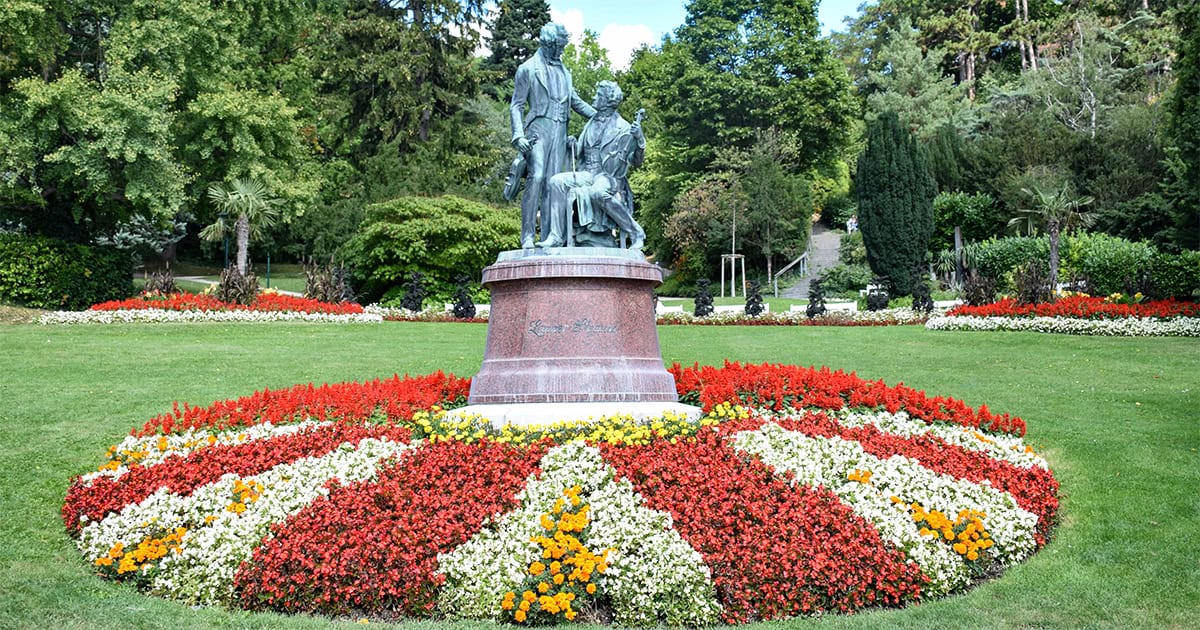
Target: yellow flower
519	616
591	589
542	587
537	568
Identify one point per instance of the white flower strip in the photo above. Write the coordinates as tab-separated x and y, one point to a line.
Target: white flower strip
202	571
888	316
156	316
1128	327
654	576
829	461
154	449
1003	447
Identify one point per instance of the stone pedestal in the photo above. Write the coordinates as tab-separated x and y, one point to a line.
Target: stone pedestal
572	325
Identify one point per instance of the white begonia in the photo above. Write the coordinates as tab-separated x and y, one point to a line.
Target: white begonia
202	571
184	443
829	461
1127	327
654	575
1008	448
158	316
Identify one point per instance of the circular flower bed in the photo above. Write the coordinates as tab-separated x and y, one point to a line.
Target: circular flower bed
799	491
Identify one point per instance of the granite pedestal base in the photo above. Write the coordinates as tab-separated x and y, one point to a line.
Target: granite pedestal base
572	325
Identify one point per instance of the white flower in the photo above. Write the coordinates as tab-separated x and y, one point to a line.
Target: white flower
1127	327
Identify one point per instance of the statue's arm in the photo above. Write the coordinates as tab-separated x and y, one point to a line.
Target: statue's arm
580	106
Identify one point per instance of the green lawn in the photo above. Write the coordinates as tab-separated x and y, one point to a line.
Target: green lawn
1117	418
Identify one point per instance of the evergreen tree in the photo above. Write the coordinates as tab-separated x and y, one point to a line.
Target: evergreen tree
514	34
754	301
895	202
1183	185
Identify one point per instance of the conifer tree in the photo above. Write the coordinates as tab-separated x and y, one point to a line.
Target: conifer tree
1183	183
895	202
515	34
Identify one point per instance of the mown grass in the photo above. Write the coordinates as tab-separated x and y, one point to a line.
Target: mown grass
1117	419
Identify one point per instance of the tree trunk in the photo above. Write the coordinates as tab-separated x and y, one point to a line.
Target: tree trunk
243	243
1052	230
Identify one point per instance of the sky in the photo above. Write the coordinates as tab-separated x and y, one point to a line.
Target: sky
624	25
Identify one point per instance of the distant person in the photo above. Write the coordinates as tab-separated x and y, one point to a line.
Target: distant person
851	225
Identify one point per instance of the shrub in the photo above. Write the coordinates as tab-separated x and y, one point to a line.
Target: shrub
838	208
1175	275
754	301
704	301
1107	264
841	279
236	288
996	258
160	281
1031	283
440	237
464	306
414	292
852	250
327	283
41	272
816	299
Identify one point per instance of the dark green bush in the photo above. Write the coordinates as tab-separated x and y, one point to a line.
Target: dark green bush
41	272
1175	275
852	250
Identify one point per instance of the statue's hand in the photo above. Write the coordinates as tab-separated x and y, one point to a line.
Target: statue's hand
570	142
522	144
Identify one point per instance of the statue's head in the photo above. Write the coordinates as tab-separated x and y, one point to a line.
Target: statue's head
553	40
608	95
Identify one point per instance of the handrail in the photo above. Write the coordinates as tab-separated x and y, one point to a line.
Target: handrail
802	258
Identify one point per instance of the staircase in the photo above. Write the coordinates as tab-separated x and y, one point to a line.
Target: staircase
822	254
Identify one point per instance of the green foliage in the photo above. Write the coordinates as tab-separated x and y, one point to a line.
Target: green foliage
700	225
41	272
130	108
975	213
441	237
895	202
912	85
838	209
851	250
1176	275
513	35
846	278
1107	264
996	258
1182	188
589	65
236	287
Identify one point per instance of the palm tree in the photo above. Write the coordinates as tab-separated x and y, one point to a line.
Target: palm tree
248	200
1057	212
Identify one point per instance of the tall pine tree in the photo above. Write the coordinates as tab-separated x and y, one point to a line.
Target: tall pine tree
1182	188
895	202
514	34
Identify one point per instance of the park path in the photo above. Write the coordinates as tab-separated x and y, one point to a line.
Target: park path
211	282
822	254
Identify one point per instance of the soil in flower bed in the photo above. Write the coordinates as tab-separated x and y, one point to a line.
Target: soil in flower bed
800	491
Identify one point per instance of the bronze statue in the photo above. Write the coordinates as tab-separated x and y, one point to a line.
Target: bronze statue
588	203
543	97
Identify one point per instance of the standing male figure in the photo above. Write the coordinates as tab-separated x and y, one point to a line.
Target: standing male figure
599	190
542	100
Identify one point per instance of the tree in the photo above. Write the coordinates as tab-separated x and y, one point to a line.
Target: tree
254	208
779	208
895	202
589	65
913	86
1182	188
514	35
1056	212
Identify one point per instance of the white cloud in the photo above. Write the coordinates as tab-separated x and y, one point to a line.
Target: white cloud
622	39
572	19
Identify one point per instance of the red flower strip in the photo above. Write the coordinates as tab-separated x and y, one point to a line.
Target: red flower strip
200	302
780	387
373	546
182	475
396	398
1081	307
775	551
